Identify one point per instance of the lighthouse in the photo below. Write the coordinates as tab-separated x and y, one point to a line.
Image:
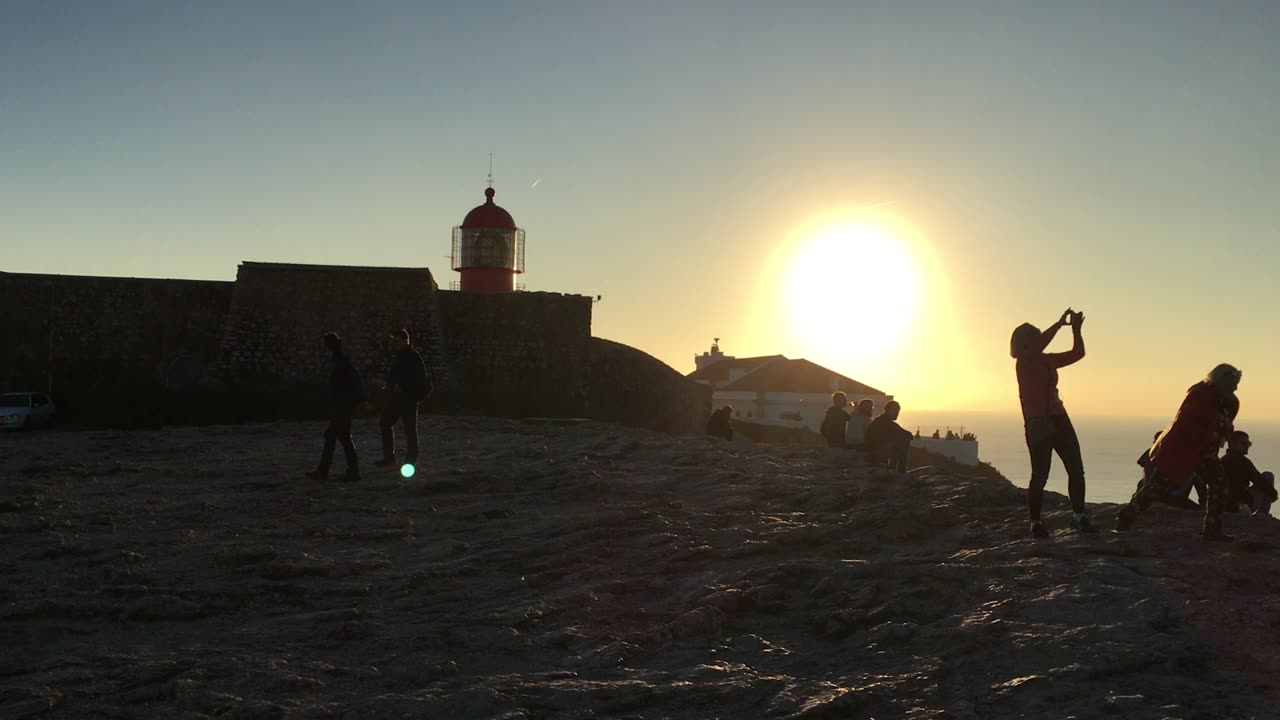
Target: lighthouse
488	248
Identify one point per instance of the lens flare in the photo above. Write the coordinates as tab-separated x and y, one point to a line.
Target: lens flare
407	470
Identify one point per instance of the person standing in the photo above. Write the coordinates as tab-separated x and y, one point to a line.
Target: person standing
407	386
346	392
1047	426
1188	451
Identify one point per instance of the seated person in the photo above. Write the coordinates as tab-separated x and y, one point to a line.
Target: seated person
1245	485
720	425
855	432
887	441
835	419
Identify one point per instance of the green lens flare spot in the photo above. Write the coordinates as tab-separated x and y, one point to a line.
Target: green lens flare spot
407	470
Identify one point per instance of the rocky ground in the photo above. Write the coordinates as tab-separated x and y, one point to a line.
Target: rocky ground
580	570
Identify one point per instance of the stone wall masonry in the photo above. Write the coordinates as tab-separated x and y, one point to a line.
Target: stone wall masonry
130	351
279	313
520	354
109	335
631	387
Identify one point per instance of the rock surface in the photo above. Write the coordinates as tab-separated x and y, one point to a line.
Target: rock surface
581	570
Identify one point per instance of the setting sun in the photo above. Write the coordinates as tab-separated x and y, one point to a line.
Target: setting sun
853	289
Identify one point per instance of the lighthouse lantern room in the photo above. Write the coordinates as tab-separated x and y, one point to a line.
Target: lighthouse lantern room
488	248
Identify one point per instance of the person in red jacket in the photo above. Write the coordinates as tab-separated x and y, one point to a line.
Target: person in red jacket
1048	427
1188	450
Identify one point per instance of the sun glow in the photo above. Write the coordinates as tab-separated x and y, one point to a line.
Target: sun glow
853	289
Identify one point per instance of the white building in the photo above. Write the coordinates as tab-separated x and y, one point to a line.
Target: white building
776	390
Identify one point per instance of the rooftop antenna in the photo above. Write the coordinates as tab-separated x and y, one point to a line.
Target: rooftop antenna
490	169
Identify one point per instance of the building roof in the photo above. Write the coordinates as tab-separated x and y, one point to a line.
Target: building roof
796	376
489	215
719	371
251	265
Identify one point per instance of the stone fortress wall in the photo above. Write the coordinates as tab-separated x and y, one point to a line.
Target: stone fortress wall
137	350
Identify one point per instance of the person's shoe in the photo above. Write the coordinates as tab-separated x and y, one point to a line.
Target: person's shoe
318	474
1216	535
1125	519
1080	523
1037	531
351	475
385	462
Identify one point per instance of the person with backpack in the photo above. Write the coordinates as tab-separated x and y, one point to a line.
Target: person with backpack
346	392
833	422
1047	426
407	386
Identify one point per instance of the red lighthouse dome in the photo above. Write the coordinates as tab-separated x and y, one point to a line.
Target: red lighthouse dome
488	248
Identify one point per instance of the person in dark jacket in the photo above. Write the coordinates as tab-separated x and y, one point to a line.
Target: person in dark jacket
346	392
407	386
1188	450
1047	426
1245	484
720	424
834	421
887	441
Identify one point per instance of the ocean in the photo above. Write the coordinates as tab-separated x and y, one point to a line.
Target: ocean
1110	447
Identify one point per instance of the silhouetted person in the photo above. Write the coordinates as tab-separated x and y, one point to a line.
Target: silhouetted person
407	386
1246	486
834	421
1178	497
937	434
346	392
721	425
1189	447
1048	427
855	431
1145	457
887	441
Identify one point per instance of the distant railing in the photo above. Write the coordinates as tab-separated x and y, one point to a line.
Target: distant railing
946	433
457	285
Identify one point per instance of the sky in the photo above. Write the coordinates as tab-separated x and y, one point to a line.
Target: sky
884	188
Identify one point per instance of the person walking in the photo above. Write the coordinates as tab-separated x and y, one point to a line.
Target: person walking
346	392
408	385
1047	426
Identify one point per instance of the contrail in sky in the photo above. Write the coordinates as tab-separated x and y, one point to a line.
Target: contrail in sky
535	183
869	207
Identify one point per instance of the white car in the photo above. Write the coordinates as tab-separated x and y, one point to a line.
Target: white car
26	410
